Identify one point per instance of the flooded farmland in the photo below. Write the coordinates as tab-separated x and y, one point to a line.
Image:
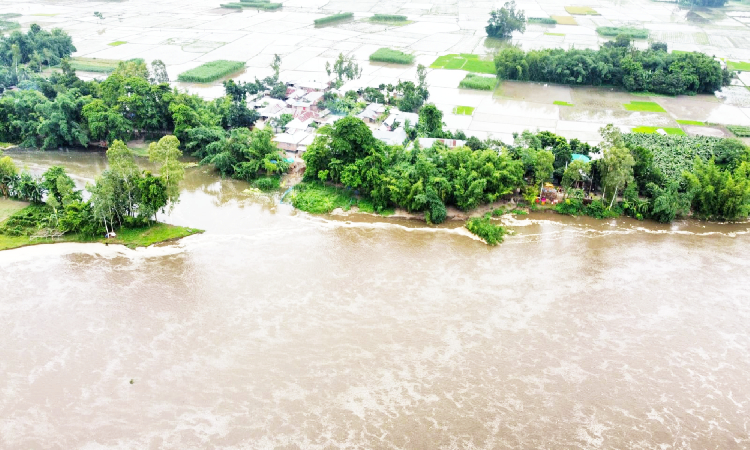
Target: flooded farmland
276	329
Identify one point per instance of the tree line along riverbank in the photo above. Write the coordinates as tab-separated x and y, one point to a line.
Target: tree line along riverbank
639	175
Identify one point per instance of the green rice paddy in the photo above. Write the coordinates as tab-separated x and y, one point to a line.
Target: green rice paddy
692	122
643	107
741	66
561	103
211	71
581	10
463	110
652	130
464	61
117	43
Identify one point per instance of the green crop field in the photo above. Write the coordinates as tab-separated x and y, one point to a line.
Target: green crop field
554	34
691	122
392	56
561	103
388	18
117	43
94	64
637	33
211	71
581	10
644	107
740	66
651	130
542	20
479	82
464	61
334	18
739	131
463	110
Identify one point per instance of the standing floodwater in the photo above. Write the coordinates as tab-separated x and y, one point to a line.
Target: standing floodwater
275	329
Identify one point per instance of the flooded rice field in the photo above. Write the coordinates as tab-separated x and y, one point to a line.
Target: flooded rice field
276	329
186	34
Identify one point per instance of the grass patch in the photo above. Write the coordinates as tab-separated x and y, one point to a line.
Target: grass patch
267	183
554	34
334	18
542	20
463	110
692	122
562	103
479	82
464	61
581	11
7	25
388	18
211	71
644	107
636	33
389	55
9	207
94	64
740	66
117	43
652	130
739	130
565	20
484	228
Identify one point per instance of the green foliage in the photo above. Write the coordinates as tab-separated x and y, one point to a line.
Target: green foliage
673	155
245	154
388	18
211	71
464	61
504	21
635	33
345	68
739	130
542	20
473	81
333	18
267	183
392	56
616	64
484	228
347	153
166	153
719	193
317	198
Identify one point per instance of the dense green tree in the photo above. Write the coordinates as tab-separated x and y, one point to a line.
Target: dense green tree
166	153
8	175
719	193
616	164
504	21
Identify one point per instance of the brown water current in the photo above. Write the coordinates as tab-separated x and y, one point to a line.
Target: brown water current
276	329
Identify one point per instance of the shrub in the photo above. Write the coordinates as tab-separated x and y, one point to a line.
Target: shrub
211	71
636	33
392	56
542	20
267	183
485	229
317	198
473	81
333	18
388	18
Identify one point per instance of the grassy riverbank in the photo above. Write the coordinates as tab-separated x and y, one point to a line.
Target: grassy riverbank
155	233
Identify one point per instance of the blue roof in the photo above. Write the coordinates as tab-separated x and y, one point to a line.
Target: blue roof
577	157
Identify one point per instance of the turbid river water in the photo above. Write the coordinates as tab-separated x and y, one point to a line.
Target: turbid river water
275	329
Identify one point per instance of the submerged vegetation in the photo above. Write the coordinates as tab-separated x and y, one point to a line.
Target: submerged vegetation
464	61
483	227
635	33
389	55
210	71
473	81
333	18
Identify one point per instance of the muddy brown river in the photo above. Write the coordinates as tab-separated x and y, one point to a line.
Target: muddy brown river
276	329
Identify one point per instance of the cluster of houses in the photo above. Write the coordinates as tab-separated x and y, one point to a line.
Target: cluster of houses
302	103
